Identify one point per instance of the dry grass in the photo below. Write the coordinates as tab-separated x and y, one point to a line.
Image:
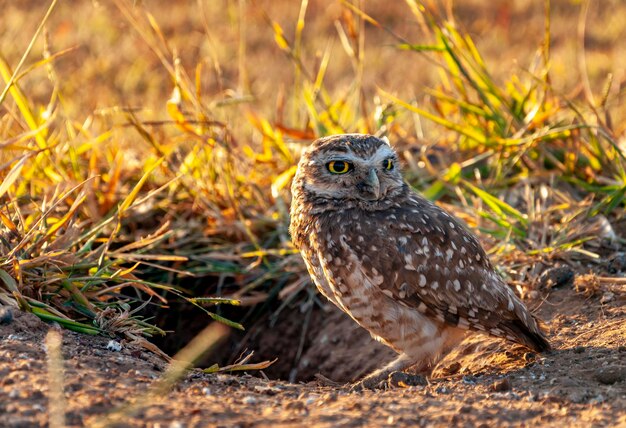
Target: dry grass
155	146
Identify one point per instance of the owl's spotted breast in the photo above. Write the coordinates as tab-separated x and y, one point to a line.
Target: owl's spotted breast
434	267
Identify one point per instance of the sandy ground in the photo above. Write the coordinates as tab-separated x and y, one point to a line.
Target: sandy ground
484	383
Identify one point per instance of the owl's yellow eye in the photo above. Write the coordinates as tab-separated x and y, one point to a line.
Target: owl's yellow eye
388	164
339	167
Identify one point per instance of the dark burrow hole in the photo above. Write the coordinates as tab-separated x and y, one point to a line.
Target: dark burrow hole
306	337
269	340
269	334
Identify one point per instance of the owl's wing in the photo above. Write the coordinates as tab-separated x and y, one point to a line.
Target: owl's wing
432	263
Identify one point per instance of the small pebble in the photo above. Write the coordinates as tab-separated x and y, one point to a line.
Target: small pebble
607	297
453	368
513	396
249	400
469	380
356	406
6	315
311	399
501	385
226	379
329	398
442	390
598	399
610	375
266	389
579	350
577	396
556	277
114	346
296	405
617	263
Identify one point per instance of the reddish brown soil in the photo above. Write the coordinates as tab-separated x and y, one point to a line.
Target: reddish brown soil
485	382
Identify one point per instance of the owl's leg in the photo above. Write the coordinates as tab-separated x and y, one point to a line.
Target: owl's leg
379	378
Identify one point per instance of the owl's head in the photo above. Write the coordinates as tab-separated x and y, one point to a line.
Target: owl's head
350	167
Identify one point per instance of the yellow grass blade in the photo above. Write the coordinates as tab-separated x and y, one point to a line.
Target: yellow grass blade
4	66
77	203
283	180
133	194
12	176
9	224
22	102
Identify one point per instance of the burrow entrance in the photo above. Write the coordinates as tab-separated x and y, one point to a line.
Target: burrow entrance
305	338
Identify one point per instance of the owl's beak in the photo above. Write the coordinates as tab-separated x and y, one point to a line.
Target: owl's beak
371	185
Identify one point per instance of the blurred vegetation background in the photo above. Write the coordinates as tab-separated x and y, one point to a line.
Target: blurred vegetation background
146	148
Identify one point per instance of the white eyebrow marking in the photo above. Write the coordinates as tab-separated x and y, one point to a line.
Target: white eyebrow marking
341	156
382	153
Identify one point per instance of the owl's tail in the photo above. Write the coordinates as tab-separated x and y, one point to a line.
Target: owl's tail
532	337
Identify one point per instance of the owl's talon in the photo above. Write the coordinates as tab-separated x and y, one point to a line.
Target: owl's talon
405	380
396	379
374	382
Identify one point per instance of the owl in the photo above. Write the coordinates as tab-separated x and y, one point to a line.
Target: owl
401	267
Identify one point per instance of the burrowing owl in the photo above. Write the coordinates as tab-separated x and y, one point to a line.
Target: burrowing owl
400	266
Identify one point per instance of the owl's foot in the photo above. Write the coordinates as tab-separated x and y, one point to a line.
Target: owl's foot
380	378
405	380
391	380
